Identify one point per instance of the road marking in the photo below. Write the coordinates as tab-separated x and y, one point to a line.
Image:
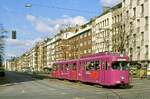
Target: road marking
23	92
138	83
63	93
78	98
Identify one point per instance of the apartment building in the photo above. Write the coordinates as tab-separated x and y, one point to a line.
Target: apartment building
123	28
33	59
45	53
50	52
118	34
136	21
40	55
80	43
101	32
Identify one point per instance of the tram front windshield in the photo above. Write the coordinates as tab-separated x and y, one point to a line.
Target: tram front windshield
121	65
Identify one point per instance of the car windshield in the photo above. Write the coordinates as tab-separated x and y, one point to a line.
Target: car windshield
121	65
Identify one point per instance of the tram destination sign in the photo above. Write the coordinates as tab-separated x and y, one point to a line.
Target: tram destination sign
121	59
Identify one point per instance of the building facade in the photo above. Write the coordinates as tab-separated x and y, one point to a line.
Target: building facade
118	34
80	43
101	32
136	21
123	28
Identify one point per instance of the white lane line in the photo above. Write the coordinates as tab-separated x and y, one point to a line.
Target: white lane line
63	93
78	98
22	91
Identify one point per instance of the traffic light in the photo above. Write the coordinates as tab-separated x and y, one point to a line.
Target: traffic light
13	34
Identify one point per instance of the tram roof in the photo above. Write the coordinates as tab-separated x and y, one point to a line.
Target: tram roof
94	56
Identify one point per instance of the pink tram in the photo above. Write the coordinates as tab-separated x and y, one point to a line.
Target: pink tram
106	69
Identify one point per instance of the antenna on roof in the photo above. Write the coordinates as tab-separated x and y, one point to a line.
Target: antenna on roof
106	9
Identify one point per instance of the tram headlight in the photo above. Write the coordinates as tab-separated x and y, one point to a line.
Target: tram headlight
122	78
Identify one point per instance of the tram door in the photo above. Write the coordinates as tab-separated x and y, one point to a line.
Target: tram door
103	72
81	71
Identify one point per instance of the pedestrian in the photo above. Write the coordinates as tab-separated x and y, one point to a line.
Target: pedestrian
141	73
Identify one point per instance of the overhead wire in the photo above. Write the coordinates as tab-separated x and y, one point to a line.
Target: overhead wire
64	8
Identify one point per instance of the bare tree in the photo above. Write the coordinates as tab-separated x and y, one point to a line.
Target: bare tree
2	43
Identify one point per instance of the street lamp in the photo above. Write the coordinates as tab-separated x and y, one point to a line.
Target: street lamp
28	5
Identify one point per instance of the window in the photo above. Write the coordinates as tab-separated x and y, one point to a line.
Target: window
134	39
131	54
134	12
146	52
138	29
127	41
138	21
89	42
107	66
142	10
138	2
81	44
103	65
146	23
115	19
65	67
146	19
85	43
55	67
85	51
131	3
97	65
93	65
61	66
73	66
107	21
89	50
85	35
118	19
142	38
81	36
103	23
138	53
121	65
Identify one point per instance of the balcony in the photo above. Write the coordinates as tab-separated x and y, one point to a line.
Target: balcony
146	27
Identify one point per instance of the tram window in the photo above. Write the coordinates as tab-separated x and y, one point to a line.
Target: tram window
106	66
89	66
65	68
55	67
72	66
103	65
61	67
93	65
96	65
120	65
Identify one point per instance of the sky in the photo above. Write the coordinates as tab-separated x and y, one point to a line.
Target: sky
44	19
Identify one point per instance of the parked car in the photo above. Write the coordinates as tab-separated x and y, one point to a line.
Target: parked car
2	72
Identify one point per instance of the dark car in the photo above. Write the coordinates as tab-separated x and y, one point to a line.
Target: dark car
2	72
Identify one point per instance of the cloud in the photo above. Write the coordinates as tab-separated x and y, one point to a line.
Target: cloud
16	42
15	47
21	43
10	54
54	25
109	2
18	47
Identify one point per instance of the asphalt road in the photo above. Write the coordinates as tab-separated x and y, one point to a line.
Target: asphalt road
20	86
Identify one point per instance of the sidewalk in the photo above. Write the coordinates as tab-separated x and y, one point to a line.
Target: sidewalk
36	75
